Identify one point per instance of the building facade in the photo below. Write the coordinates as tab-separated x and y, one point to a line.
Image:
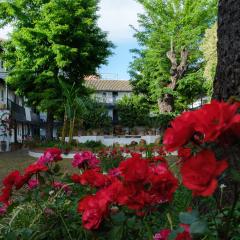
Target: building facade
17	121
109	92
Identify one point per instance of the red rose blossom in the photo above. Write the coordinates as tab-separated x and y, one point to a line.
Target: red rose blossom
35	168
10	179
93	178
183	236
200	172
162	235
93	209
182	129
134	169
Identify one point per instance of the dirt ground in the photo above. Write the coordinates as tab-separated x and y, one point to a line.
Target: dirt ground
18	160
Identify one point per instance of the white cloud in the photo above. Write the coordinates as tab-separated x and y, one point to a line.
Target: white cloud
116	16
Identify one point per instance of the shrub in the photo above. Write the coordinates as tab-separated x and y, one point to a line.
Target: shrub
124	194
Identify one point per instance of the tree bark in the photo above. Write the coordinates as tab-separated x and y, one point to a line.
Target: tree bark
166	103
227	79
64	128
49	125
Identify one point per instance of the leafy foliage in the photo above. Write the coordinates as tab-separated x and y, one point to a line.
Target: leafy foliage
133	111
183	23
51	40
95	116
209	48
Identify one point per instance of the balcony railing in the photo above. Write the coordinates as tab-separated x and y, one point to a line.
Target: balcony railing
108	100
18	112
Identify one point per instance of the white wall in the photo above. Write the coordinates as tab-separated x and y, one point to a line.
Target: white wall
109	96
110	140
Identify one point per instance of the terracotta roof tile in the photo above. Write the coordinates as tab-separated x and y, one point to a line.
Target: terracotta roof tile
109	85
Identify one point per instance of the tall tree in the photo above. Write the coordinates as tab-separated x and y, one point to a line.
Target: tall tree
209	48
170	35
52	40
227	80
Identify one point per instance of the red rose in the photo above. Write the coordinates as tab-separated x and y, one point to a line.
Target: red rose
159	159
35	168
134	169
162	235
94	178
21	180
75	178
93	209
214	118
183	236
6	192
54	154
10	180
207	124
184	153
182	129
163	184
199	173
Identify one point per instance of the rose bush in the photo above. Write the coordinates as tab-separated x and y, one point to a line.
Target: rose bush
140	193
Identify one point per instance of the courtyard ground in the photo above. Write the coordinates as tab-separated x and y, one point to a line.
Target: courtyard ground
18	160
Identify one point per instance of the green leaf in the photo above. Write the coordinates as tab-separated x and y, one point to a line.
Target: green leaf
11	236
173	235
198	227
116	233
119	218
188	217
235	175
131	222
56	168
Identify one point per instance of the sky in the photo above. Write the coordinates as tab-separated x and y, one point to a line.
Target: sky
115	18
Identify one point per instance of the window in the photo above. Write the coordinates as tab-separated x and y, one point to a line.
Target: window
115	95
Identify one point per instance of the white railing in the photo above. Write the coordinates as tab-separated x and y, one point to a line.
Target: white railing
108	99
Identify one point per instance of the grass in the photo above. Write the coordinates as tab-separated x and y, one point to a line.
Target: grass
19	160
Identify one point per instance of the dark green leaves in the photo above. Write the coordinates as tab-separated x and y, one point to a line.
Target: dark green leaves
188	217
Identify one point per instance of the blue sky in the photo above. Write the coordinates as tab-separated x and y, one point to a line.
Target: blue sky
115	18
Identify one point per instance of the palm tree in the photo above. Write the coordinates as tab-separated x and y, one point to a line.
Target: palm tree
74	104
227	80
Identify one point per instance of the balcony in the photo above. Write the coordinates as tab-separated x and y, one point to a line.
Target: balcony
108	100
18	112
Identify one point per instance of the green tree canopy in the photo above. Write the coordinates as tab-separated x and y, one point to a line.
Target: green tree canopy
52	40
165	26
133	111
209	48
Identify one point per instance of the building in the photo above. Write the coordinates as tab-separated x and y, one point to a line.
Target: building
109	92
17	121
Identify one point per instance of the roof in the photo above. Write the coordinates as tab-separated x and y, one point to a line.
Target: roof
109	85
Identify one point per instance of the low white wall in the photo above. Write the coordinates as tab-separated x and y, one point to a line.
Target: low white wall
110	140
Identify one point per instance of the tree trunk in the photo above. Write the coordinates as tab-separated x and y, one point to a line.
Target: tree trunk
227	80
49	126
64	128
71	129
166	103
